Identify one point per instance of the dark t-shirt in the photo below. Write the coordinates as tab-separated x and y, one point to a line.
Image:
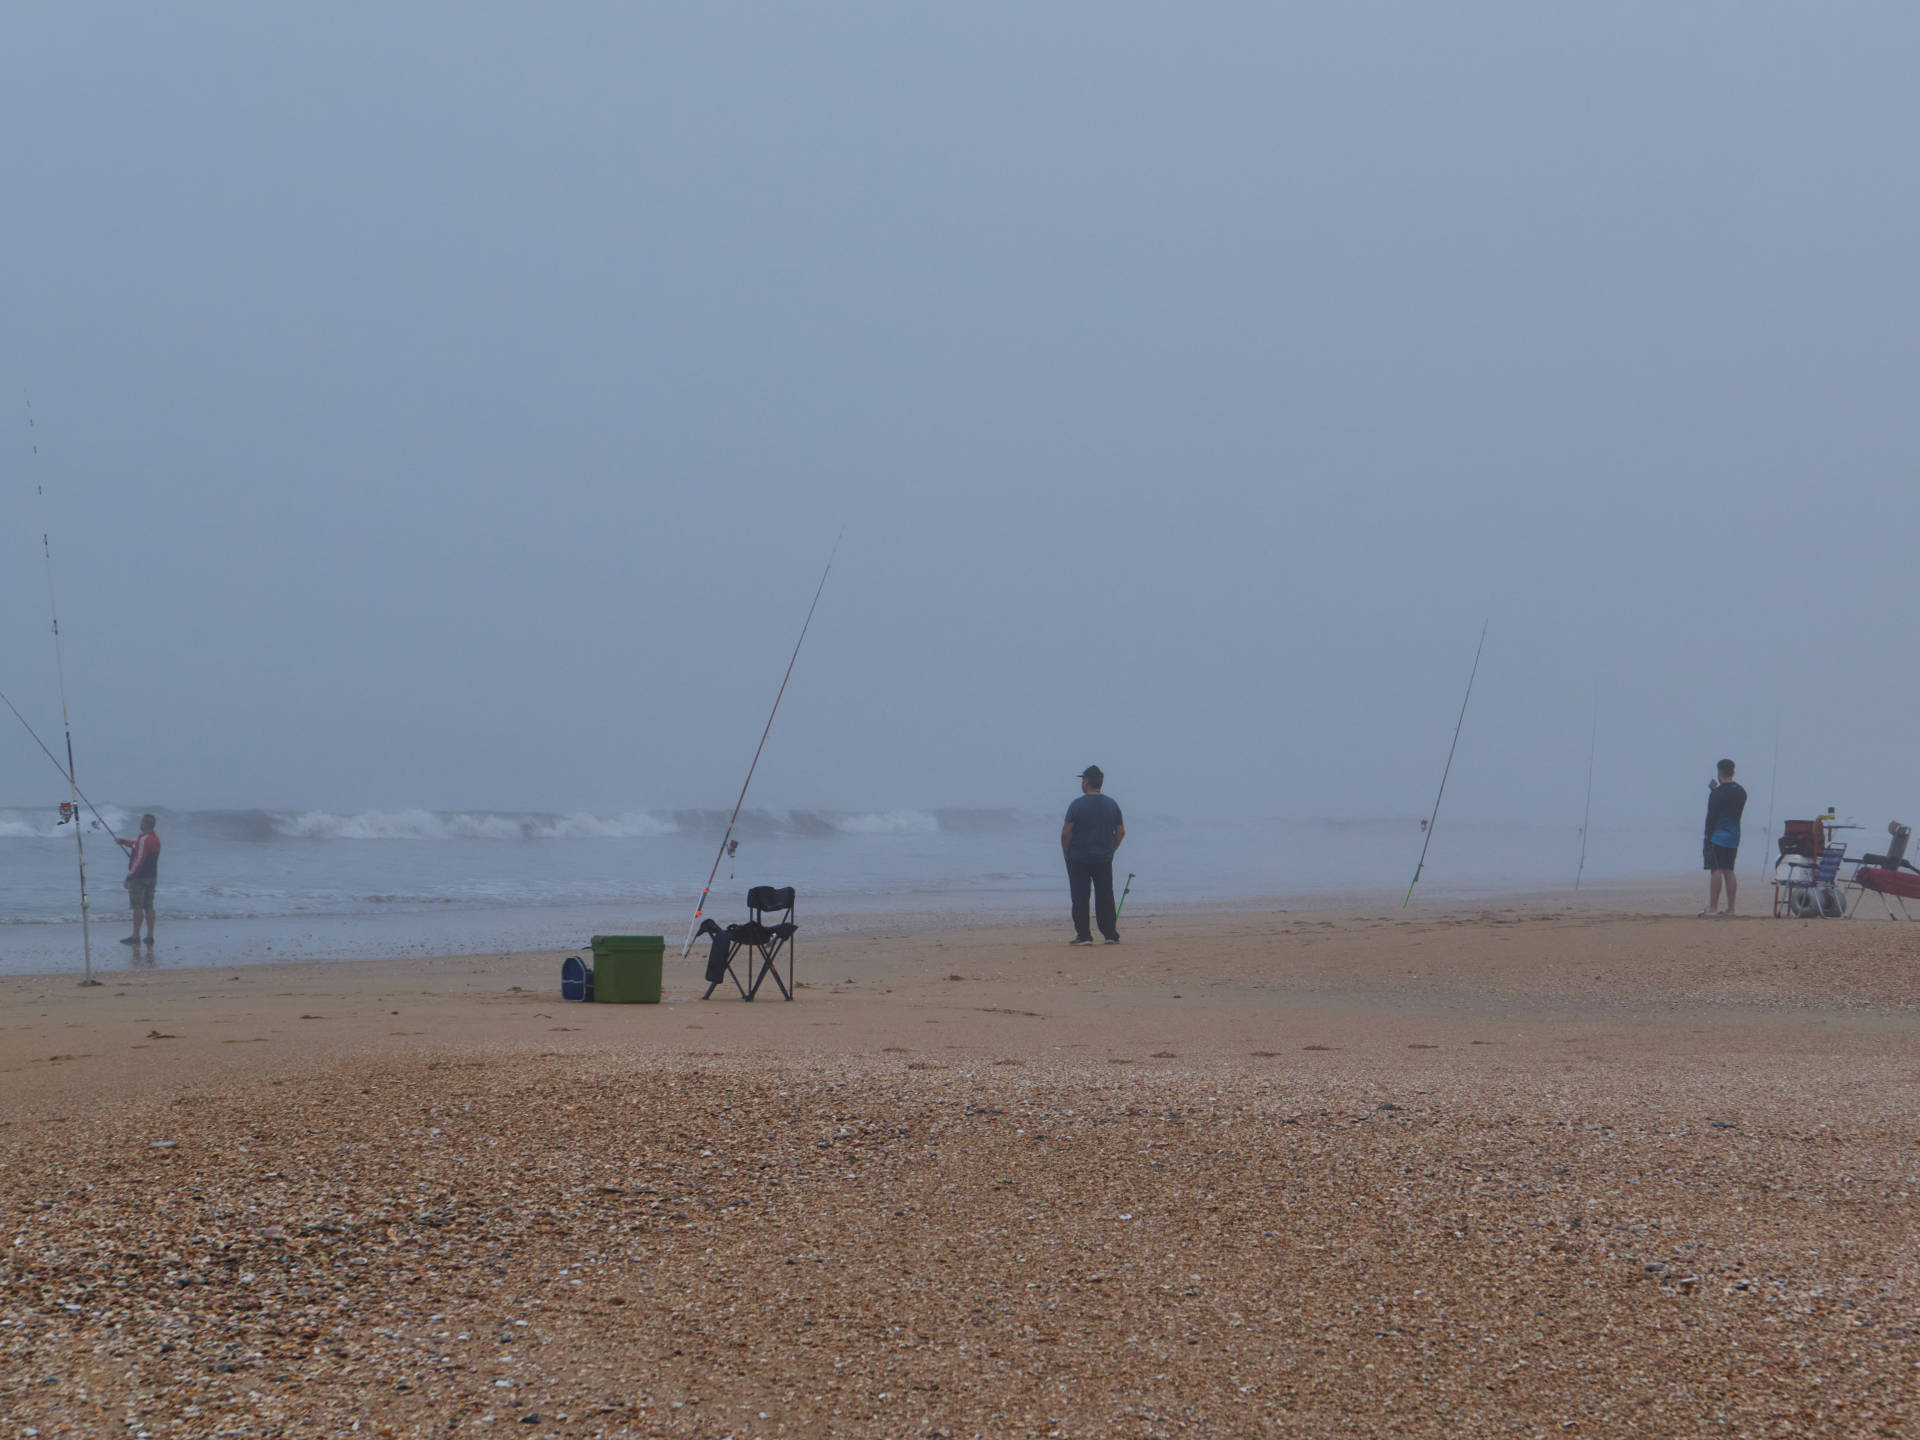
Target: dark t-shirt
1724	808
1094	819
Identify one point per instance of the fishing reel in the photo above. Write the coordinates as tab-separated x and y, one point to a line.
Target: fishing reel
67	813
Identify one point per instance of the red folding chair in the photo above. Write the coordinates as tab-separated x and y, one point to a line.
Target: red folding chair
1889	885
1890	876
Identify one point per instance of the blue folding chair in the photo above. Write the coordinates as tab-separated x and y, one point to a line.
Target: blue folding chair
1817	895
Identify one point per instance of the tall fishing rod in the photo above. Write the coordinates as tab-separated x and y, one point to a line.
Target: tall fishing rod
1593	747
66	720
693	925
1435	818
56	764
1773	781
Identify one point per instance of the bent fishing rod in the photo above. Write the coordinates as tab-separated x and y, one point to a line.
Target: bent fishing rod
693	925
1449	770
55	759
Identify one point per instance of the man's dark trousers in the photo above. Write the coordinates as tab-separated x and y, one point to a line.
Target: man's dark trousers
1097	874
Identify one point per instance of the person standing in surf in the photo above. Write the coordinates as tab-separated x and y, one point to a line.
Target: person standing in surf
143	873
1726	801
1088	840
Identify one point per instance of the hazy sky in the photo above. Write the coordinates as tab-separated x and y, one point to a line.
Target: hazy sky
453	405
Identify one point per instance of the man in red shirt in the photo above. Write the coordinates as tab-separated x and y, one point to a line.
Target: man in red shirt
143	873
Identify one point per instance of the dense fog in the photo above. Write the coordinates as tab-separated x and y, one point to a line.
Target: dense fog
450	409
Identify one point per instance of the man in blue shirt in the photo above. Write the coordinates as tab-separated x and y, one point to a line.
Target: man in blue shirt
1726	800
1092	833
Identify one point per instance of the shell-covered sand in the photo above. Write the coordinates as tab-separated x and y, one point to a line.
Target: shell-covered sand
1493	1172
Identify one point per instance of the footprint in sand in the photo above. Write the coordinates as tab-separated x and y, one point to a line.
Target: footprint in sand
1265	1054
1165	1055
156	1035
1316	1047
894	1050
1416	1045
563	1029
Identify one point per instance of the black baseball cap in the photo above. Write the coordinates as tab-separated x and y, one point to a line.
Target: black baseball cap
1093	773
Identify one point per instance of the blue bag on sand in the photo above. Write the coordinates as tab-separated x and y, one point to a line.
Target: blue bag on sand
576	979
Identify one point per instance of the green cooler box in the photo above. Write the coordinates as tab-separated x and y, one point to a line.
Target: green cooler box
626	969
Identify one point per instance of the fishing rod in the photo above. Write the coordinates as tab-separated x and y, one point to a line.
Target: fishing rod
1123	896
1449	770
700	909
1773	781
56	764
1586	815
66	720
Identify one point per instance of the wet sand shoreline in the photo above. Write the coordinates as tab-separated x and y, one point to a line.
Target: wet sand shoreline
401	934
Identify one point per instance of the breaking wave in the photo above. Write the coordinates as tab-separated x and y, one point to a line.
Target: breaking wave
43	823
466	825
828	823
889	822
267	826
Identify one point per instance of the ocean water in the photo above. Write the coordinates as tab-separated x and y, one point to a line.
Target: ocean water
245	885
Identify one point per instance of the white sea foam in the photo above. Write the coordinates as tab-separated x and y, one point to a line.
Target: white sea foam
634	825
367	825
465	825
887	822
22	823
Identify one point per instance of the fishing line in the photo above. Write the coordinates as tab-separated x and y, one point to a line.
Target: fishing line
700	909
66	719
1434	819
1586	815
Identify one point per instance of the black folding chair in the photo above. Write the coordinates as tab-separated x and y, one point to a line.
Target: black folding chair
758	941
1896	856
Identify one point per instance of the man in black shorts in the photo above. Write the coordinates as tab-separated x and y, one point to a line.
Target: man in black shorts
1092	832
1726	799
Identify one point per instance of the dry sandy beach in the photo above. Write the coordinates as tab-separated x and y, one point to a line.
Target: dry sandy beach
1528	1170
